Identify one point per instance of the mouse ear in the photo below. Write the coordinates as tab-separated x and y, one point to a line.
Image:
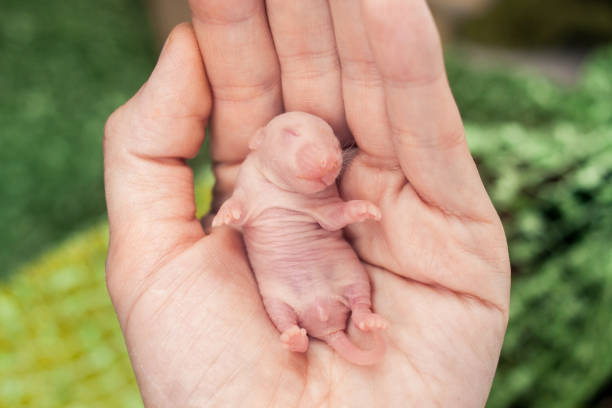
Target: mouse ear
256	139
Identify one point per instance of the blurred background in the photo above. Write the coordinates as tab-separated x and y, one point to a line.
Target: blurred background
533	81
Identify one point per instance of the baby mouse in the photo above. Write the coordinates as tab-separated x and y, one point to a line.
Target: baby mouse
287	206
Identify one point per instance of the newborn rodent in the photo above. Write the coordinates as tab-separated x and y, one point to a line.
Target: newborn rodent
287	206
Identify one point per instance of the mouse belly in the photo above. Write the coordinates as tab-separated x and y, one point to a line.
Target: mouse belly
307	279
310	281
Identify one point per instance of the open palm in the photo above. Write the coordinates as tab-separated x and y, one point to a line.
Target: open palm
195	327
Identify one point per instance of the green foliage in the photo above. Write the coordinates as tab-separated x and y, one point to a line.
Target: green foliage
64	66
60	344
557	351
60	341
544	152
500	96
552	188
551	183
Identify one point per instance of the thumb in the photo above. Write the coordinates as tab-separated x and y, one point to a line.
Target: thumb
149	187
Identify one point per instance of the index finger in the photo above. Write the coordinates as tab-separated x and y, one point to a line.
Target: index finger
426	126
244	75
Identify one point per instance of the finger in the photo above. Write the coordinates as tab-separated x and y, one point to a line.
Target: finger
310	70
149	187
426	127
363	92
243	71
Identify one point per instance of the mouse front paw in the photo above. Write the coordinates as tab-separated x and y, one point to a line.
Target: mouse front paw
361	210
229	213
295	339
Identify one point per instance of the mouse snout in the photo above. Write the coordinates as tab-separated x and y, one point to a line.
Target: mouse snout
319	163
332	164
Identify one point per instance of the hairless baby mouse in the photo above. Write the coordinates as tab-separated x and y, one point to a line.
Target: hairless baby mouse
286	204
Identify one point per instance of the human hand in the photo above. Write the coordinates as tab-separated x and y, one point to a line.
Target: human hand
195	328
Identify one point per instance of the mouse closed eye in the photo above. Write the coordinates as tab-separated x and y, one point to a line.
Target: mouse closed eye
290	214
289	132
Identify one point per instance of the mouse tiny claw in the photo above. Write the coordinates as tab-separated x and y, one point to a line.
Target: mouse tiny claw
229	213
369	321
295	339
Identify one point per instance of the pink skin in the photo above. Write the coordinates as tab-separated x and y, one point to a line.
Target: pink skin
287	206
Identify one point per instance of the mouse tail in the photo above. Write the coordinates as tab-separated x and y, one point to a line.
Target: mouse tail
340	342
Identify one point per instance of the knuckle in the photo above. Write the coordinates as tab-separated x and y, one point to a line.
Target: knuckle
445	140
362	72
225	11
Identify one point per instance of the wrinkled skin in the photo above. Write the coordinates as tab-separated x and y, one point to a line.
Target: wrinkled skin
286	204
196	330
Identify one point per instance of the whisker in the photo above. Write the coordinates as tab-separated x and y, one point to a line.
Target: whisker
348	154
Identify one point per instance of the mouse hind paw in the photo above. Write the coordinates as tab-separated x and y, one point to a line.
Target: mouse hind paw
369	321
295	339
